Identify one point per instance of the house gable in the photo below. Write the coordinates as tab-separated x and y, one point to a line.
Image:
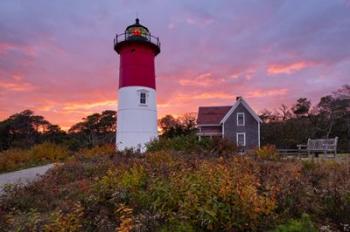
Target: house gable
250	128
239	101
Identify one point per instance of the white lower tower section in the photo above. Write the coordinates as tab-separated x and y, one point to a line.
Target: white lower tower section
136	117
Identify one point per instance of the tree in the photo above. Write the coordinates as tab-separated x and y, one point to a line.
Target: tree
268	116
285	112
328	119
95	129
54	134
302	107
25	129
167	123
188	122
172	127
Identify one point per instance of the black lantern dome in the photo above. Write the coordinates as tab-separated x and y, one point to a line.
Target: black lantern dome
136	25
137	33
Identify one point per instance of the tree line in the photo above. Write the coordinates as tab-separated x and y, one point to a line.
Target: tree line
26	129
330	117
285	127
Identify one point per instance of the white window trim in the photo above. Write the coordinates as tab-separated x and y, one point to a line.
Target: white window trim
241	133
143	94
240	113
146	95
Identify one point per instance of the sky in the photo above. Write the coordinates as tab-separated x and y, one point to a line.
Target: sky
57	57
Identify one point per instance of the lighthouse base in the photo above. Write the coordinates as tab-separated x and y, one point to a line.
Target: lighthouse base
134	140
136	120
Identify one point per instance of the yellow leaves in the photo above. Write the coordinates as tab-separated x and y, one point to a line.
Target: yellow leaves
212	191
49	151
268	152
103	150
66	222
124	214
42	153
159	158
133	178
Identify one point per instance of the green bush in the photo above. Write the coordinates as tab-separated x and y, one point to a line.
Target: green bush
297	225
268	152
191	144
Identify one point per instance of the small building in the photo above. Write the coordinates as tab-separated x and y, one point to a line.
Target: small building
238	123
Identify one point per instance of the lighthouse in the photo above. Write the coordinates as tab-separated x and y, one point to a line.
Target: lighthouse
137	106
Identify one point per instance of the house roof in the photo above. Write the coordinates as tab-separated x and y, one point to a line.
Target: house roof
212	114
216	115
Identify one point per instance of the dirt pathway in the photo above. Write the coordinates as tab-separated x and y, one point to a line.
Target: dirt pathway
23	176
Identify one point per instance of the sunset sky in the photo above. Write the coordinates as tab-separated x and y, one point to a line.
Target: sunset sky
57	57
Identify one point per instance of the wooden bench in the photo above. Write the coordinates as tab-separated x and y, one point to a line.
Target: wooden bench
315	146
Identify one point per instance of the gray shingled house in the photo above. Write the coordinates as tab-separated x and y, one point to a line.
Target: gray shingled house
238	123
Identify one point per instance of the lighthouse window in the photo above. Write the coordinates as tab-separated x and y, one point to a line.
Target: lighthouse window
137	31
142	98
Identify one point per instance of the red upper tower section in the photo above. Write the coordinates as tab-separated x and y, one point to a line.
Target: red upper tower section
137	49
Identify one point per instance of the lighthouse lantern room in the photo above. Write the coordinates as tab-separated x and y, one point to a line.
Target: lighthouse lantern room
137	106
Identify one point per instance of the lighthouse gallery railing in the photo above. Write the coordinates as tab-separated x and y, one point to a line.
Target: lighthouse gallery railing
145	37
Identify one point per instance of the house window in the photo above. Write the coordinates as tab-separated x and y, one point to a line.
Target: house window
143	97
240	139
240	119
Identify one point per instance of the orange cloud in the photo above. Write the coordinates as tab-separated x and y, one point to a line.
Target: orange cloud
66	114
89	106
16	86
203	80
274	69
217	95
265	93
204	96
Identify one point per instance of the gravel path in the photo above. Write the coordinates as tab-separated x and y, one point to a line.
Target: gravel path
23	176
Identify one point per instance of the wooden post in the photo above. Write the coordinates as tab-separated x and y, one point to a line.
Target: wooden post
335	146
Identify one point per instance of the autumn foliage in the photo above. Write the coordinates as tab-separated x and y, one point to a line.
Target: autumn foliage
181	191
14	159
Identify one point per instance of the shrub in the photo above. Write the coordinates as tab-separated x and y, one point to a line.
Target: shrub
48	152
106	149
14	159
191	144
268	152
297	225
171	191
71	221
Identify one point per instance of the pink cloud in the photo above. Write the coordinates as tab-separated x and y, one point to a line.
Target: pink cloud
267	93
6	47
188	97
203	80
274	69
16	86
89	106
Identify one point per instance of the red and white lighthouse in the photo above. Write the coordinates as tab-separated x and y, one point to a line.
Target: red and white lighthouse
137	106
